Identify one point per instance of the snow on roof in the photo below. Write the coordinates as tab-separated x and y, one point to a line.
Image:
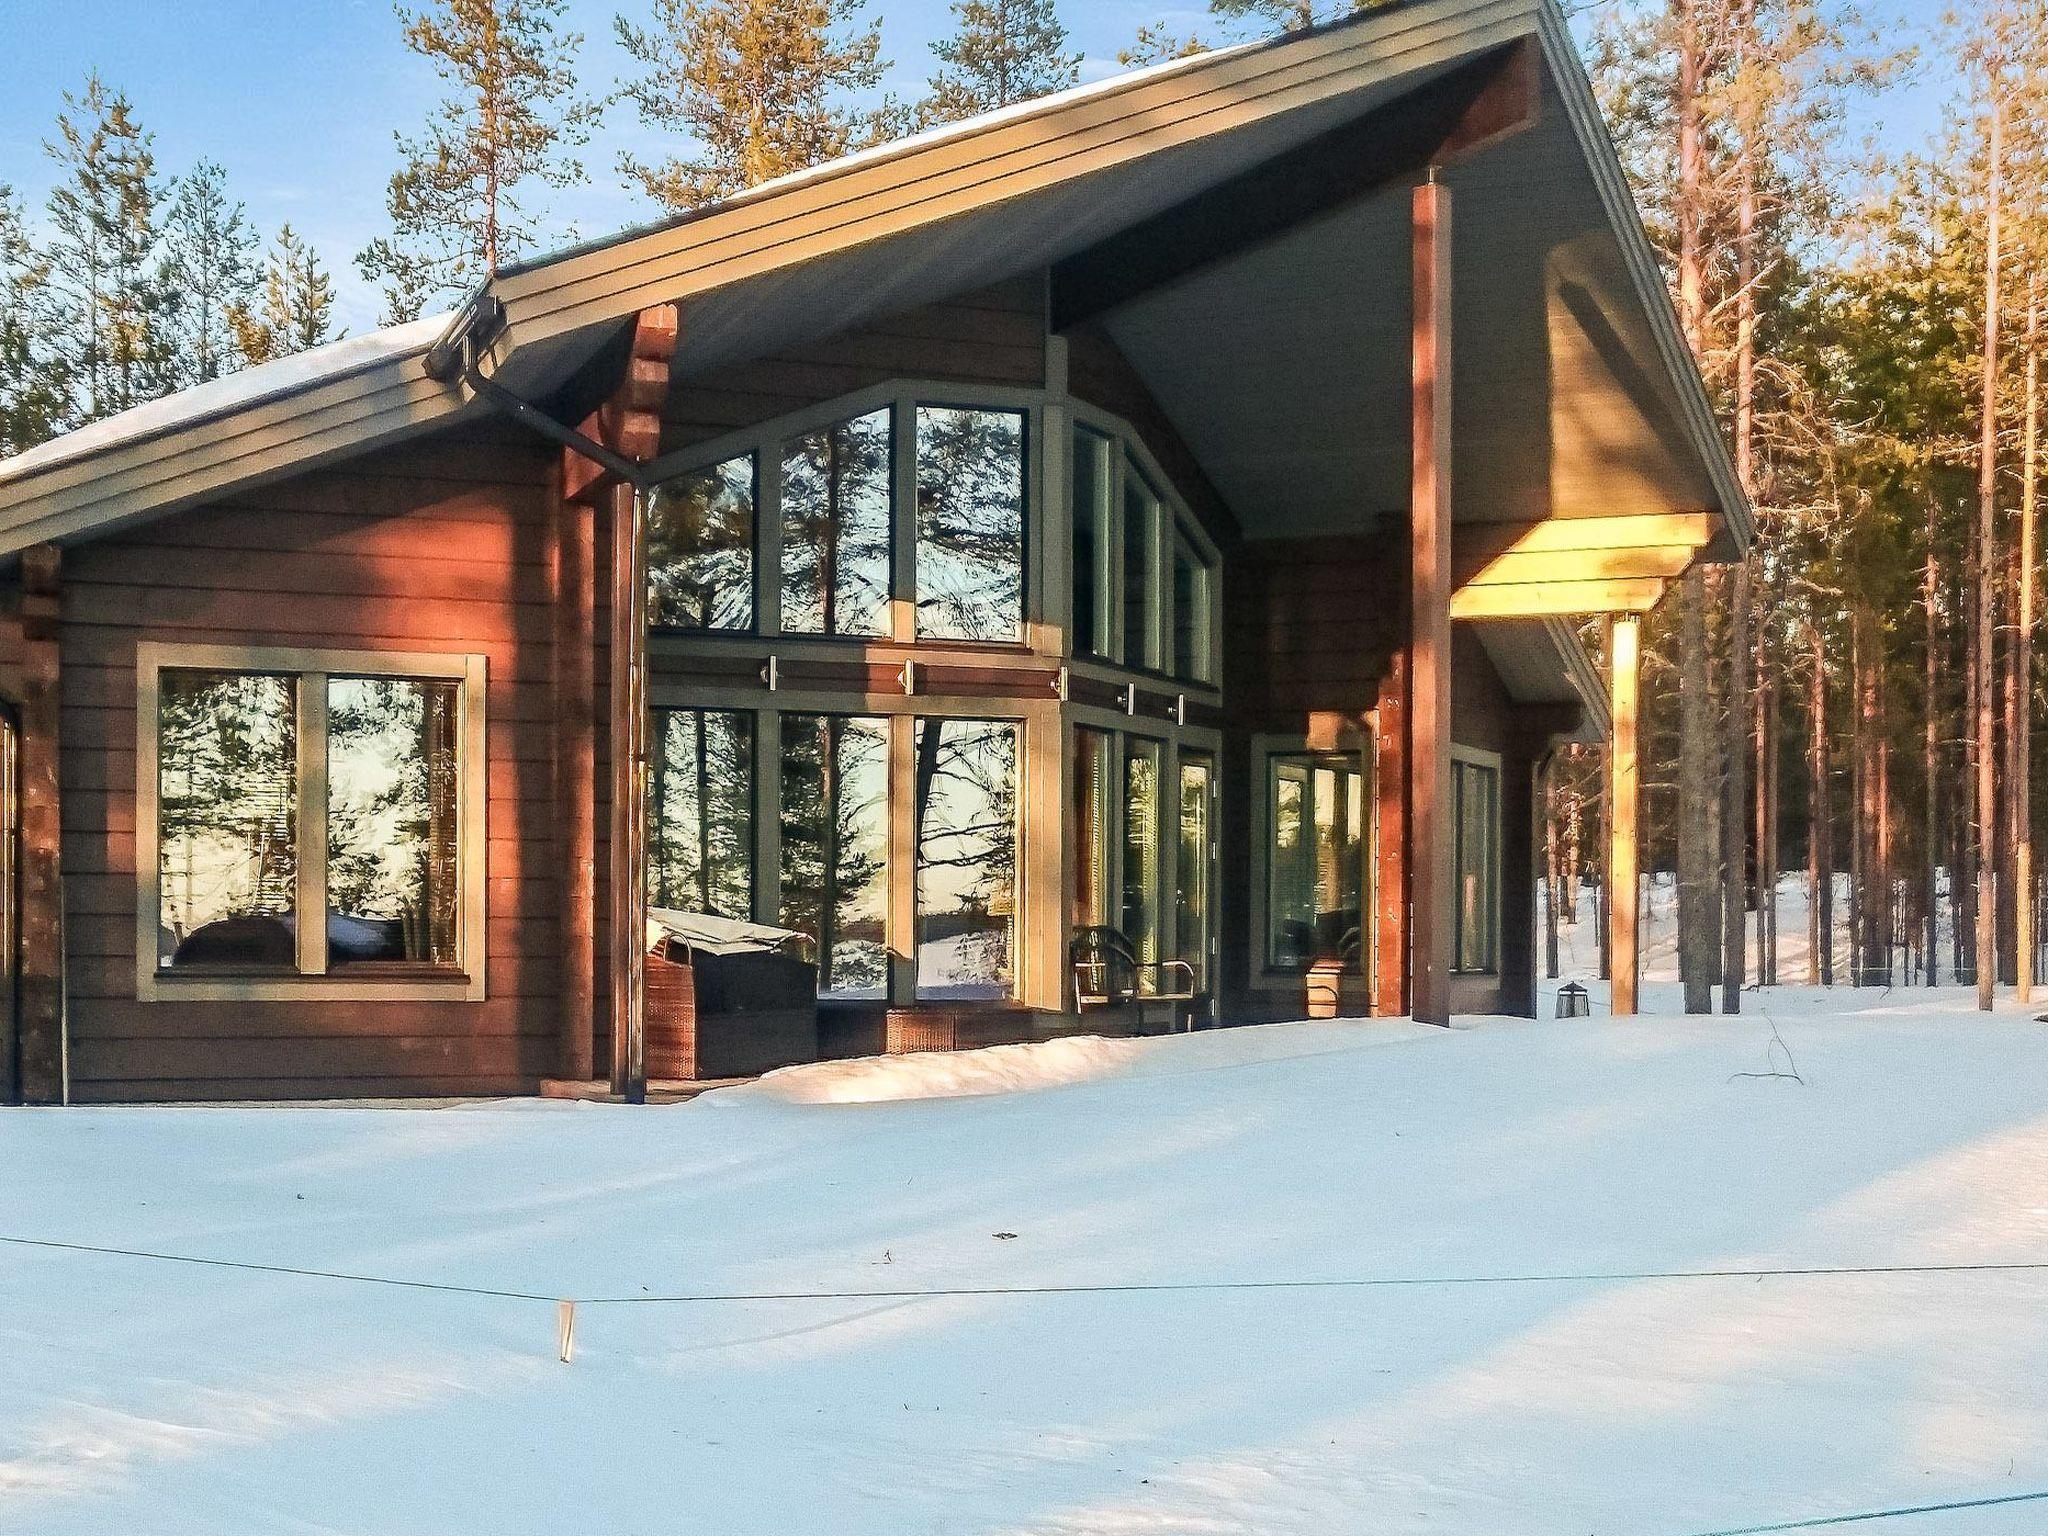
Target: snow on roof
236	392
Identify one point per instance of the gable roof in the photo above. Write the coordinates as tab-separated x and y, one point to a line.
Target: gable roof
946	210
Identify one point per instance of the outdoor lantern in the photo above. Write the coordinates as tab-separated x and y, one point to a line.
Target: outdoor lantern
1572	1001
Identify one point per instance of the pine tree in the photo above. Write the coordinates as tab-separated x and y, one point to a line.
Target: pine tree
108	302
1156	42
296	310
1289	15
1004	51
456	204
762	86
33	399
211	272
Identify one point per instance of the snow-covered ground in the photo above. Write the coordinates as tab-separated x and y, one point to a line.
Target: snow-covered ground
1535	1349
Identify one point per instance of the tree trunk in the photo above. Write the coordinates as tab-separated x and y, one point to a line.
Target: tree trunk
2021	789
1699	926
1930	758
1820	860
1987	498
1553	869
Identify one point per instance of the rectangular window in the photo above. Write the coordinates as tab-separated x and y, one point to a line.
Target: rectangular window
1141	572
393	858
1319	820
1141	886
836	529
227	817
700	812
835	847
309	815
1093	812
700	548
970	524
965	820
1475	794
1193	609
1094	603
1191	915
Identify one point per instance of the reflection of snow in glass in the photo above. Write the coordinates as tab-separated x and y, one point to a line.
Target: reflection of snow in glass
966	810
392	850
835	847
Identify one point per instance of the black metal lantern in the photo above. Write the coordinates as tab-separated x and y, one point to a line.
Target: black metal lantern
1572	1002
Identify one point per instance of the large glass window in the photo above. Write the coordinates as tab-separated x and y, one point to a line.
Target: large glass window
700	822
227	820
393	857
835	847
1094	546
1319	820
1141	887
1191	916
836	527
1141	572
1093	820
309	819
700	548
1475	793
970	524
965	809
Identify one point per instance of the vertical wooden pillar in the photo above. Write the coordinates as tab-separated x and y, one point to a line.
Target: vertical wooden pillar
1429	614
1390	797
630	424
1624	672
629	793
40	1006
575	784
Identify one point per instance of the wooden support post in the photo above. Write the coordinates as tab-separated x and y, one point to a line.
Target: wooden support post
631	426
1429	614
40	1030
1624	673
1390	932
575	675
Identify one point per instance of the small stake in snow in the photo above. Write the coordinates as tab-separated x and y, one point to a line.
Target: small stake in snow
565	1329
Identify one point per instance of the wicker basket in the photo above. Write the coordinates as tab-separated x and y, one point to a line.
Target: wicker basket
716	1016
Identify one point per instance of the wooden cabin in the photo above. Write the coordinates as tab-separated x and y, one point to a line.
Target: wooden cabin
1147	523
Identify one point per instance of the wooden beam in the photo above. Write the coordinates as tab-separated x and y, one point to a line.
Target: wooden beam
40	998
1429	613
633	422
629	423
1390	894
1531	600
575	688
1656	562
1474	105
1478	542
1624	674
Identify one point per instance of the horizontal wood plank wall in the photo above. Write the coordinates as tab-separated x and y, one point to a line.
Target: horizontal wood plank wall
438	545
993	336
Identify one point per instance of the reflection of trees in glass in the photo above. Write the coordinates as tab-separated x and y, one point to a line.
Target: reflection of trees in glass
700	814
966	815
970	524
1141	850
835	529
700	548
227	800
391	814
1192	912
1321	817
835	846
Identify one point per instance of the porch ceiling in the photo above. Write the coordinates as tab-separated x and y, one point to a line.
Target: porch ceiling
1286	368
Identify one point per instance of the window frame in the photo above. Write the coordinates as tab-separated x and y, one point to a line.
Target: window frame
310	669
768	441
1129	452
1473	758
1358	750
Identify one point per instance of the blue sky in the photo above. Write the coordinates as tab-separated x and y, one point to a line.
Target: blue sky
298	100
